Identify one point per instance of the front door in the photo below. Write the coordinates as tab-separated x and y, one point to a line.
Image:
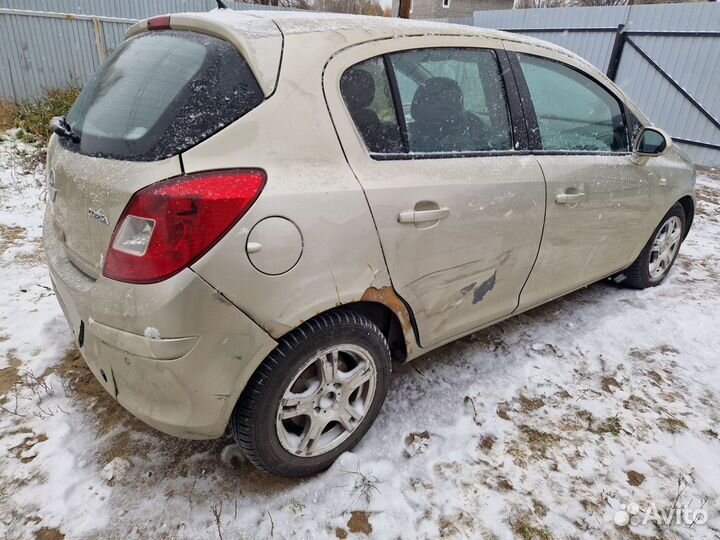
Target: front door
459	213
598	199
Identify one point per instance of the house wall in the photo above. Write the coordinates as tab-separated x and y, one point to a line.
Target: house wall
433	9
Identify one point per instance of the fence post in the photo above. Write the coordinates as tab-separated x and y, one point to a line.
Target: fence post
616	53
100	39
12	82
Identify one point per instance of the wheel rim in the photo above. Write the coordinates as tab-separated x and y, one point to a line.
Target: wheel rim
665	247
327	400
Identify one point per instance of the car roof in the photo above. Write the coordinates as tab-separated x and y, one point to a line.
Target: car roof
307	22
358	28
318	22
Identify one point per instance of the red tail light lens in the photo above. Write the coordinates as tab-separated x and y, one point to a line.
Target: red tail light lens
159	23
169	225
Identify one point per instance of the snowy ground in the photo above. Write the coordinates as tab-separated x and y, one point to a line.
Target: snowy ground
549	425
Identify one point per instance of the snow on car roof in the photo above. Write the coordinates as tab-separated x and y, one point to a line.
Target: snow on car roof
298	22
357	28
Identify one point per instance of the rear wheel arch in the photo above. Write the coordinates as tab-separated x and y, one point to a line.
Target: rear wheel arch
387	321
395	331
382	316
255	420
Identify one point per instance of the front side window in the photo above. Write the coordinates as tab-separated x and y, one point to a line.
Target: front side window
453	100
574	113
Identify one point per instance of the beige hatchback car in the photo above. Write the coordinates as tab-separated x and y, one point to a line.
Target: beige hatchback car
252	215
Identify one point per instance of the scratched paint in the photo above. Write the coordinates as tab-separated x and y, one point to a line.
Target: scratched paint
484	288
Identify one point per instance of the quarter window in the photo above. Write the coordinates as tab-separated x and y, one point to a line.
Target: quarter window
574	113
453	100
366	91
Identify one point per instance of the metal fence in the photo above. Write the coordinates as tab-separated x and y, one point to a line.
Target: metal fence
124	9
52	50
60	43
665	57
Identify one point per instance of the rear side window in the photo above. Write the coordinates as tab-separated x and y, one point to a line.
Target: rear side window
366	91
161	93
574	113
453	100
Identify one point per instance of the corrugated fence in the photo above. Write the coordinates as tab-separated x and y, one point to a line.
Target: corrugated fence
666	57
52	50
124	9
58	43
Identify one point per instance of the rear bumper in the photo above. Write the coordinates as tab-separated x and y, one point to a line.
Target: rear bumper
175	354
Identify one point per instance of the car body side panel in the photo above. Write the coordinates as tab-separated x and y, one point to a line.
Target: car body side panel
626	197
676	173
588	240
309	183
468	269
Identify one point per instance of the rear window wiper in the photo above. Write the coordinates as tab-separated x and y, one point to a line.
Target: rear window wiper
60	126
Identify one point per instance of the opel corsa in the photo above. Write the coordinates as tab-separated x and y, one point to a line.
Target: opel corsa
252	215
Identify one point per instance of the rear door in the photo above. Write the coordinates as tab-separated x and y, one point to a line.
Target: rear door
457	204
598	197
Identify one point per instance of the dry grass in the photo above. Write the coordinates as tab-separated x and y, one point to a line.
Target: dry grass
9	377
33	116
8	112
524	528
539	441
672	425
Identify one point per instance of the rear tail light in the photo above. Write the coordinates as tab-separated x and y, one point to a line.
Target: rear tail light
159	23
169	225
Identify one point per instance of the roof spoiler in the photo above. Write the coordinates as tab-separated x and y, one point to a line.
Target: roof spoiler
258	39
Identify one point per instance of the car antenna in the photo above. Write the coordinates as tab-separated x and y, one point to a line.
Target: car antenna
221	4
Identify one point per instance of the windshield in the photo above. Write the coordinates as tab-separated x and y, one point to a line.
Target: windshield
160	94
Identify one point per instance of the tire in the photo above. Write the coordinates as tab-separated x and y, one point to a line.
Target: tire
641	275
302	366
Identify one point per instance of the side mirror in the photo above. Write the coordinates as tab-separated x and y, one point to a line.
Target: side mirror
651	142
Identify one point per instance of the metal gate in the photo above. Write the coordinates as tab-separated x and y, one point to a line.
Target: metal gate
665	57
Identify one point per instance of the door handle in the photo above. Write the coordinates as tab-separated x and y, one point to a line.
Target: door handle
423	216
569	198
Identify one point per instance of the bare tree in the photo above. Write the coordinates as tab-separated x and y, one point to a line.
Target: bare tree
531	4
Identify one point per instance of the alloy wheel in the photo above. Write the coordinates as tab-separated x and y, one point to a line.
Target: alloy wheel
665	247
327	400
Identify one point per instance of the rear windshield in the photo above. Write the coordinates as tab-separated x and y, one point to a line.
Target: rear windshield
161	93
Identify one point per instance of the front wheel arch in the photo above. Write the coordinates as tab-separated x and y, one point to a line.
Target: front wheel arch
638	274
688	205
